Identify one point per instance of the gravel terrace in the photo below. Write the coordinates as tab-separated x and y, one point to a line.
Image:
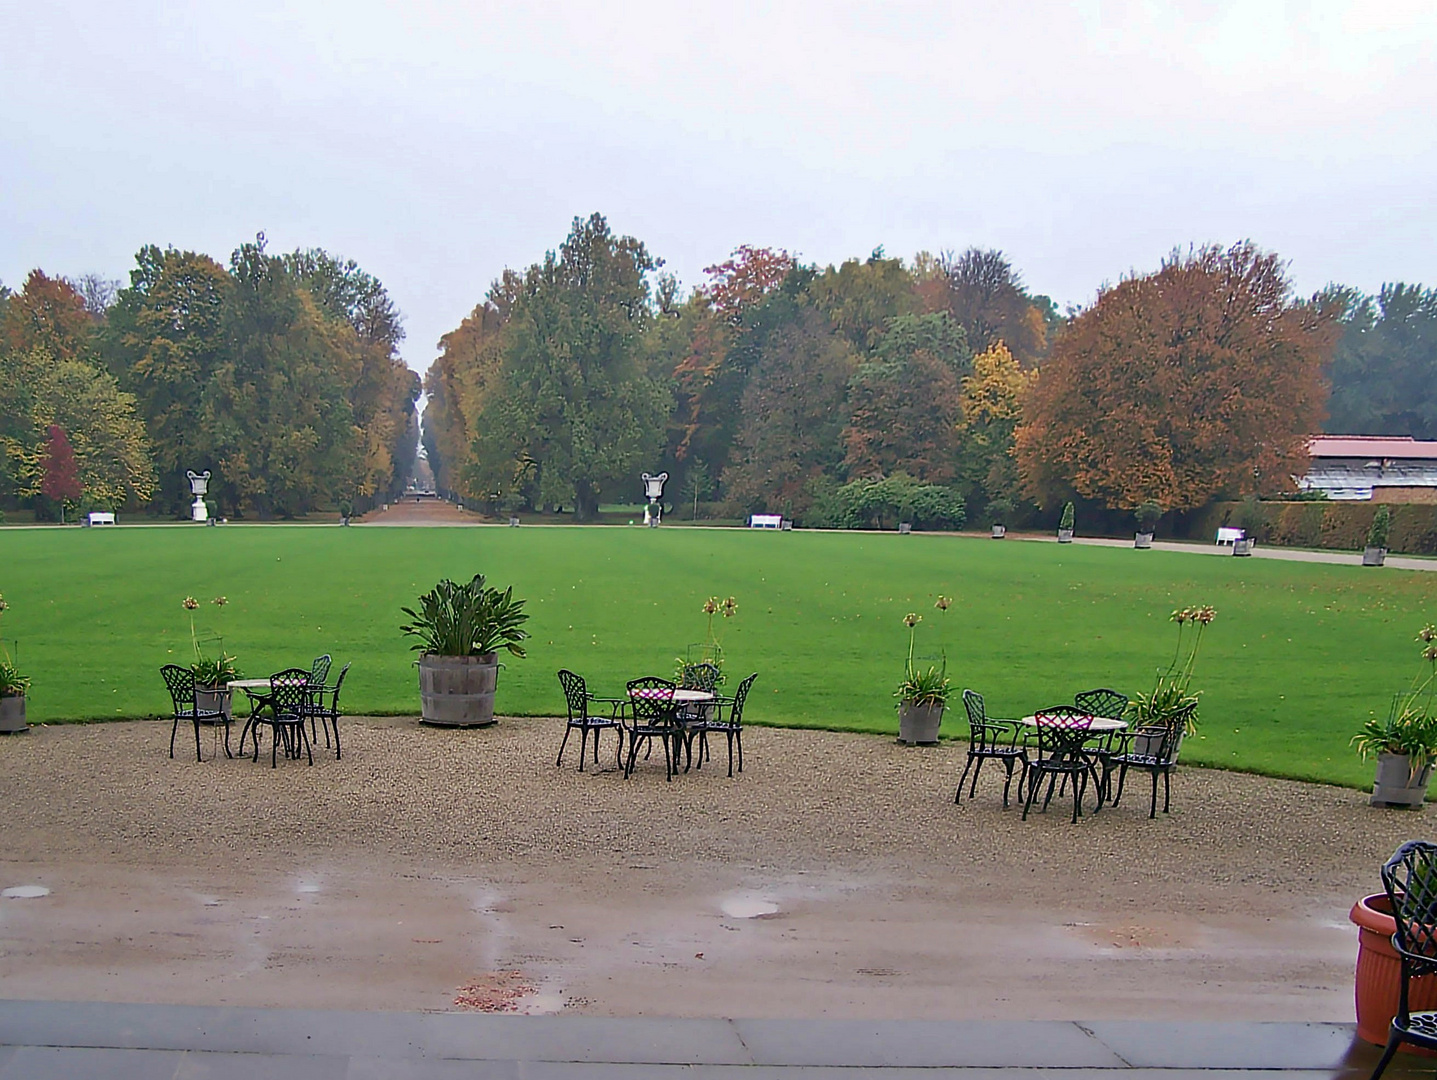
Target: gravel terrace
833	877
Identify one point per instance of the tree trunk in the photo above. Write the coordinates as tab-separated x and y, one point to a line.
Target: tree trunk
586	502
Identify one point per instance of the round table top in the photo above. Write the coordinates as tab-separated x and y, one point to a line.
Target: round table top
1099	723
677	694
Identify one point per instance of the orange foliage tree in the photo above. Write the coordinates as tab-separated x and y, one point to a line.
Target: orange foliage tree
1201	380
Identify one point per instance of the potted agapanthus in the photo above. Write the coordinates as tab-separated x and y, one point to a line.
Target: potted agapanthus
1405	743
1065	525
1147	516
711	651
213	674
1172	691
461	629
1375	554
923	693
13	688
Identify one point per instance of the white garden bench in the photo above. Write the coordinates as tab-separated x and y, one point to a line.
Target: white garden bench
99	517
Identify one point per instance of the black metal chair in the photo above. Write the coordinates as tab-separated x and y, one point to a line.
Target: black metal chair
988	739
1410	878
577	698
326	712
180	682
318	673
732	728
652	715
1062	730
288	695
1109	705
1153	748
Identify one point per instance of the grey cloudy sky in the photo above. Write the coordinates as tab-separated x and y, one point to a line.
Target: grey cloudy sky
437	142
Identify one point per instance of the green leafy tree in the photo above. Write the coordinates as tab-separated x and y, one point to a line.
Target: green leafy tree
575	414
1384	370
164	341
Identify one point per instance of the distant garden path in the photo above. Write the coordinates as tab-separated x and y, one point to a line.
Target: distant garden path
1347	558
412	511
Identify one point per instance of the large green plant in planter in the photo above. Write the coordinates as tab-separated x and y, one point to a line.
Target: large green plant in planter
1065	524
923	693
1376	552
1405	743
461	628
13	688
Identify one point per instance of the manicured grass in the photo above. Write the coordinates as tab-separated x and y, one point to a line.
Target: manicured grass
1298	656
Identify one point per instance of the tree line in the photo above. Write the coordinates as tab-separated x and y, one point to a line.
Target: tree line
278	373
930	390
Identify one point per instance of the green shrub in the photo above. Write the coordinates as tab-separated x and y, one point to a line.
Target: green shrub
1381	526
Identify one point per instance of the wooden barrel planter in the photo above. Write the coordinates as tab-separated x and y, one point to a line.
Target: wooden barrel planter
458	691
1379	973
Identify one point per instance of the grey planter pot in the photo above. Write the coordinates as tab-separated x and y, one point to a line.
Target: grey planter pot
458	691
918	724
1242	547
12	715
905	527
1374	556
215	701
1065	536
1143	540
1152	744
999	531
1396	784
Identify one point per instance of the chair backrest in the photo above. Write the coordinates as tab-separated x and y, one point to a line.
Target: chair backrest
1061	728
289	692
651	699
319	670
576	694
973	703
739	697
701	676
1109	704
1410	878
982	736
180	682
339	682
1172	733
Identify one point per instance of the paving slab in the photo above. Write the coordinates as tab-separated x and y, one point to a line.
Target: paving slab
209	1066
923	1043
85	1063
1217	1045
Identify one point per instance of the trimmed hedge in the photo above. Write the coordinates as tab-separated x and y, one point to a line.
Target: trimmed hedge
1338	525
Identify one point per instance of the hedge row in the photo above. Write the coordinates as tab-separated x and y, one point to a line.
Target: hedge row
1339	525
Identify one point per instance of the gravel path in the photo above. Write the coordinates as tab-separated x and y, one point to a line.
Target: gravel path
414	795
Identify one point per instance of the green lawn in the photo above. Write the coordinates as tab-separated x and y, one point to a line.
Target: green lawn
1299	654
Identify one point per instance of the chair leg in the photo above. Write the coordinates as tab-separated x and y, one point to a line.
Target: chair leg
1080	784
1153	810
597	733
1032	788
1048	798
173	730
563	743
731	735
583	745
197	740
1394	1040
308	746
669	764
1167	791
274	745
738	739
334	720
973	786
958	795
633	753
1007	779
227	740
1122	777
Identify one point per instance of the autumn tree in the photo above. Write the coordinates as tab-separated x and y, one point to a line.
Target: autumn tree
50	314
59	472
862	298
576	415
991	405
1201	380
986	297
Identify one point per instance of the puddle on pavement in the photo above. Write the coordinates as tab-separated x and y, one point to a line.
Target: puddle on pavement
747	906
24	892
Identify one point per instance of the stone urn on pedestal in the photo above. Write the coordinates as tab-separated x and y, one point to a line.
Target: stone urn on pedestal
461	629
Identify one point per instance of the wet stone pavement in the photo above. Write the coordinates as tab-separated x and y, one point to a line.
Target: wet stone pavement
176	1042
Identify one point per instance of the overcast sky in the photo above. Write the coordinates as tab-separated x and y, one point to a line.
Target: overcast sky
437	142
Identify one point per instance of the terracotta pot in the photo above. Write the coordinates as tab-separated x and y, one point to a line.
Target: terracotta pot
1379	973
458	691
919	724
